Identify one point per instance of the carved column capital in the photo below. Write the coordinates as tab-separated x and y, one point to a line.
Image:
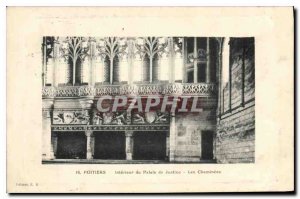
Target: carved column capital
129	133
92	39
89	133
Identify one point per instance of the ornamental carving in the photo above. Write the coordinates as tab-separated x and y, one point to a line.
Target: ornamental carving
111	118
196	89
48	92
150	89
70	128
172	89
71	117
154	117
126	118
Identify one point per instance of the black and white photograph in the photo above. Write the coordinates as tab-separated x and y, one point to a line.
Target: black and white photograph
145	100
150	99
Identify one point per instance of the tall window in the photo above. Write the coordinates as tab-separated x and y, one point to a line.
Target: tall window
197	61
123	69
85	70
48	61
163	67
178	58
99	69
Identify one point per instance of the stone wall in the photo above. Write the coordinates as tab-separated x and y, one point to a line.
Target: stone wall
188	134
235	140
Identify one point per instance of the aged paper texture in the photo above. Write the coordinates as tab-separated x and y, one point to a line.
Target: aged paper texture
90	95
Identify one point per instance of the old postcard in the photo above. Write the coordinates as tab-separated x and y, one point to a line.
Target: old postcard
150	100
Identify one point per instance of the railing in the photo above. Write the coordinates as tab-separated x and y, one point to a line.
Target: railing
187	89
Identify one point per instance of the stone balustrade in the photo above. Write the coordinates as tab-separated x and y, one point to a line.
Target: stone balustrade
178	89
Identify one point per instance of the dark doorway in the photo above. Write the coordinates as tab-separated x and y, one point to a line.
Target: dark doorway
71	145
109	145
149	145
207	145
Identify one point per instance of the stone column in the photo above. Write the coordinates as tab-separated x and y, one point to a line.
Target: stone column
130	60
230	75
44	45
46	123
208	61
184	53
89	144
172	138
171	60
111	69
129	145
220	41
195	61
168	146
225	68
53	145
92	43
86	105
56	60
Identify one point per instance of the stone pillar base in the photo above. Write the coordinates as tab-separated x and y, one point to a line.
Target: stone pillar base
129	144
128	156
89	155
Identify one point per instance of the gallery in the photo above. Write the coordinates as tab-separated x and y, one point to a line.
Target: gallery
217	71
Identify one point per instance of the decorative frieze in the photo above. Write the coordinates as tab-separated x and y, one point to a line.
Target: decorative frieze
196	89
125	118
69	128
111	118
130	127
154	117
71	117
